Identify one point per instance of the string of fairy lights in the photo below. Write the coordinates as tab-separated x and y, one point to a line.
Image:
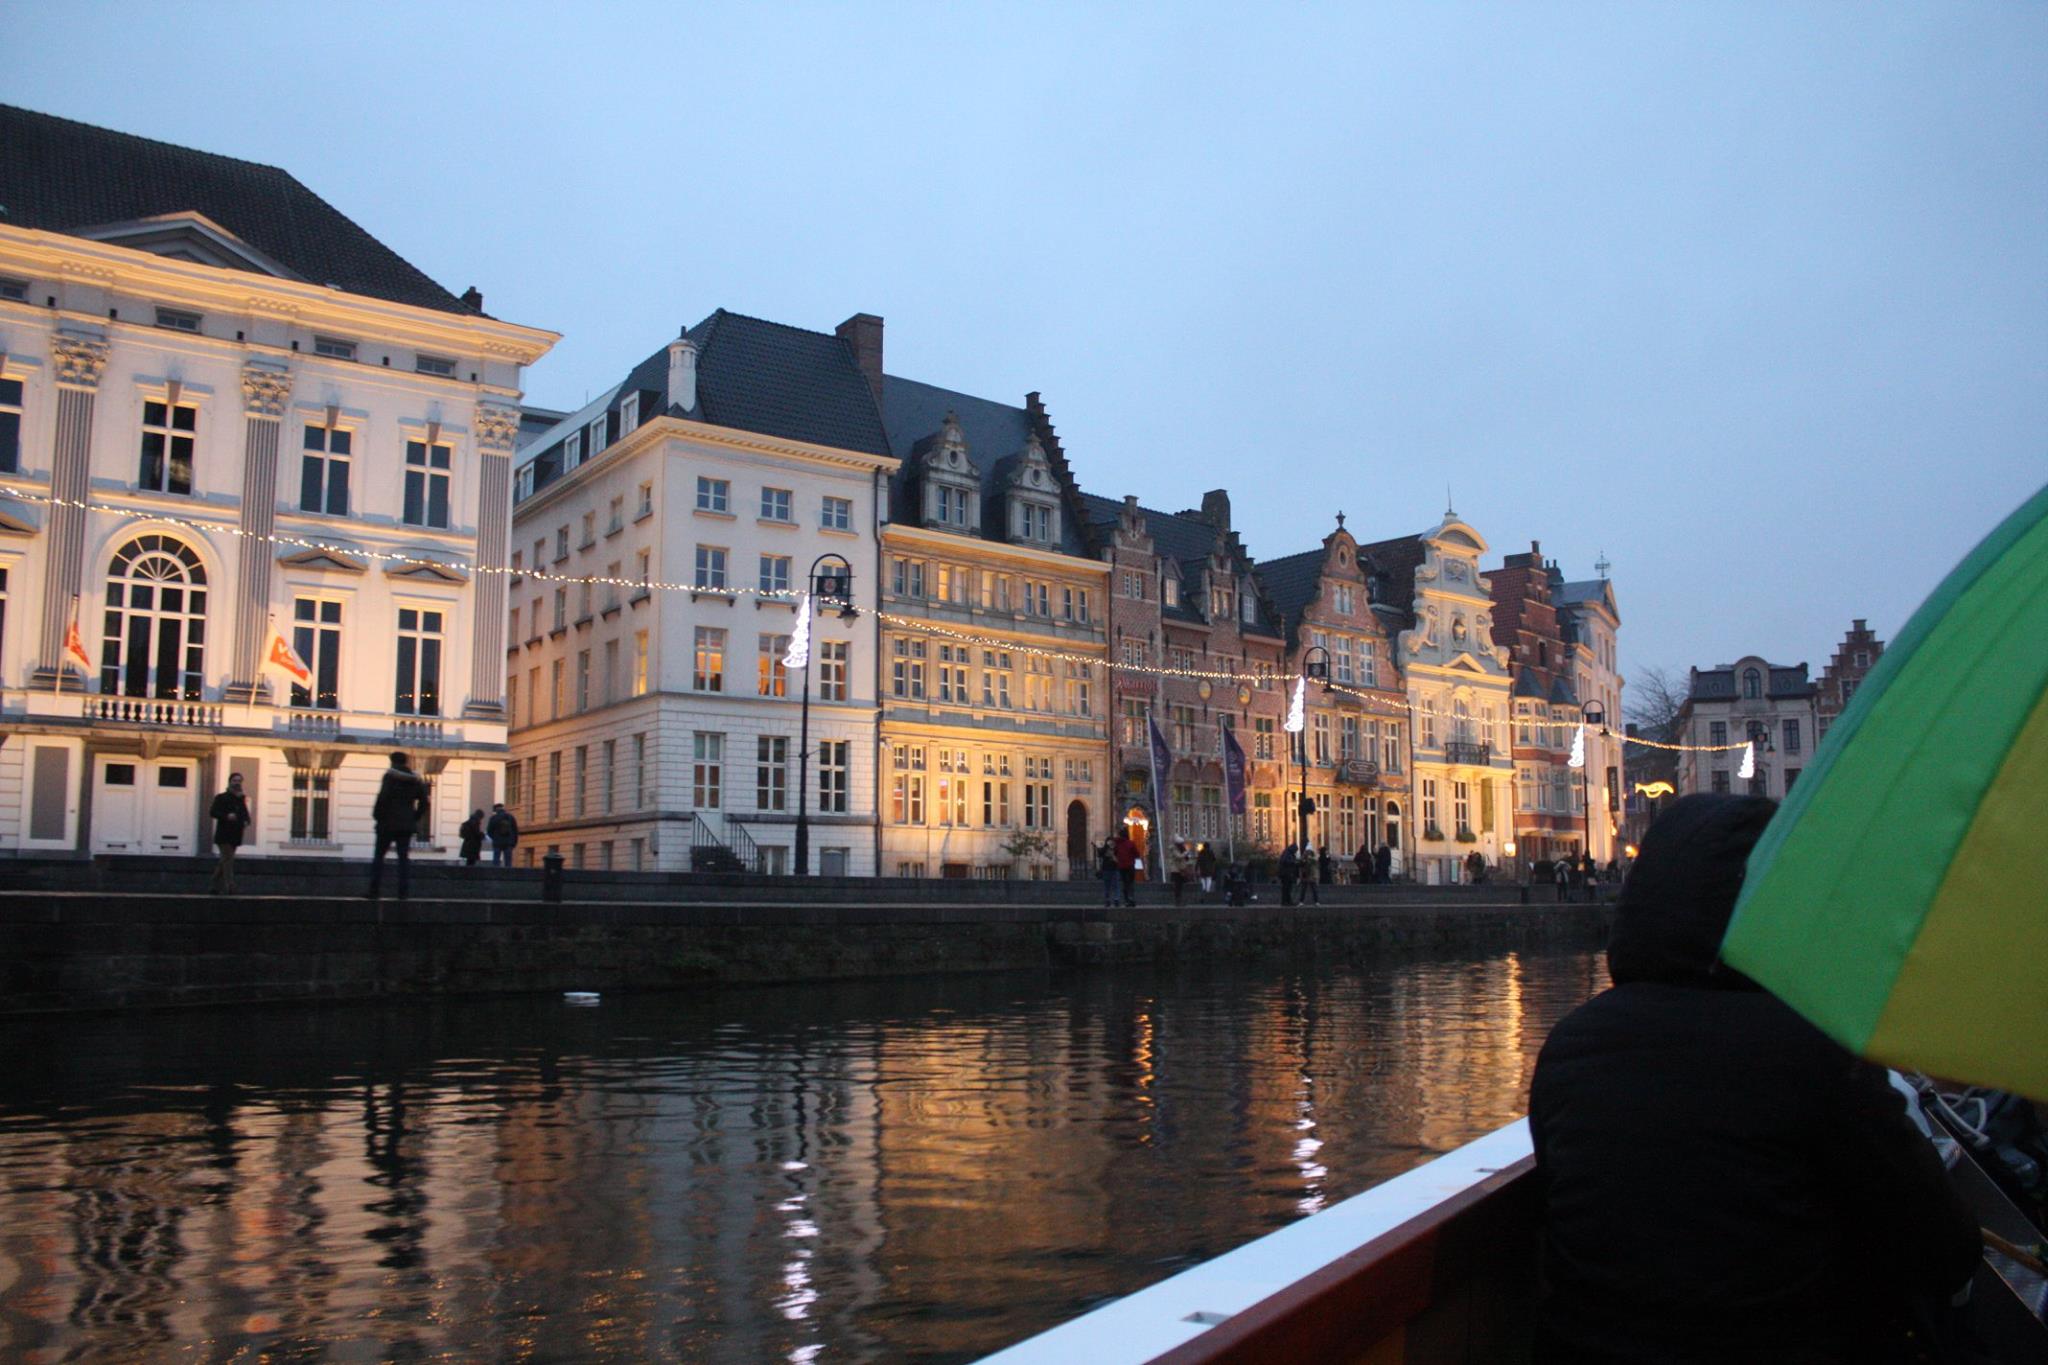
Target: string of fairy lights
1390	706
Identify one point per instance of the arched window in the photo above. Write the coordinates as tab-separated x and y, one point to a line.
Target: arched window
1752	684
155	639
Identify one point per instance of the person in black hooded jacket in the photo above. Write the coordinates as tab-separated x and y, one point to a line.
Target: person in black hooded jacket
1721	1181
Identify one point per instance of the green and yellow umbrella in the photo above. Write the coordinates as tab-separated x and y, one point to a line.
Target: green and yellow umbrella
1899	899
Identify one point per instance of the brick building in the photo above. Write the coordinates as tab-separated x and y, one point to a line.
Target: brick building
1548	809
1854	658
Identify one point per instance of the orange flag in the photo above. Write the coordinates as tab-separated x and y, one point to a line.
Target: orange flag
74	643
280	657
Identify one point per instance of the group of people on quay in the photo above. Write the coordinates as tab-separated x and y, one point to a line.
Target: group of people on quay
398	814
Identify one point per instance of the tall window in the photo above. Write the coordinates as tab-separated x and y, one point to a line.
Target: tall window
906	669
832	657
419	662
643	774
1792	736
155	625
312	805
169	431
581	791
426	483
1752	684
832	784
323	470
583	680
775	504
640	663
708	674
771	772
710	567
707	769
10	426
611	775
774	573
713	495
316	634
772	679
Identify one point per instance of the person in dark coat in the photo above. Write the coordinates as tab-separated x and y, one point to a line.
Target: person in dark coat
1106	869
1561	873
230	816
471	833
1205	868
1290	873
503	832
1383	865
1326	868
1127	866
400	807
1721	1181
1362	862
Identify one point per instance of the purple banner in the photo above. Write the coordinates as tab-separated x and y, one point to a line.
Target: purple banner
1233	769
1162	769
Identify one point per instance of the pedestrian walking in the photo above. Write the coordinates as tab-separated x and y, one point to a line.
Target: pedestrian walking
230	816
1205	868
503	832
400	807
1127	864
1180	871
471	833
1106	869
1290	872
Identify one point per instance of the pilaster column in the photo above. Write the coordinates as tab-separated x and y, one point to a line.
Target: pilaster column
496	429
78	360
265	388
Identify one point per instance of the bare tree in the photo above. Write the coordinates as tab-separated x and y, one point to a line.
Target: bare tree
1655	697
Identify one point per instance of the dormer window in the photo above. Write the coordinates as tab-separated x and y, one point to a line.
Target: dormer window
1035	521
1341	599
334	348
1169	591
572	451
1752	684
435	365
16	290
951	506
629	415
177	320
597	434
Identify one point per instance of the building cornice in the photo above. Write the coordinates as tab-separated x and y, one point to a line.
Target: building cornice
209	288
904	535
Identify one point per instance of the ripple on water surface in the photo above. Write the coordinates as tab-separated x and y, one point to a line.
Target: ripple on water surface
904	1170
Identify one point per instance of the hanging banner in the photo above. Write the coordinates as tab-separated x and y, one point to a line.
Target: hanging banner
1162	768
1233	769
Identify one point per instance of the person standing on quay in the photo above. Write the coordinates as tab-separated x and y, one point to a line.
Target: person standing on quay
401	805
472	835
1311	867
1182	870
1290	872
1205	868
1383	865
230	816
1106	870
1127	867
503	831
1362	861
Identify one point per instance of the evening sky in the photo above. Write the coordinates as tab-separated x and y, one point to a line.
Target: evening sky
1751	298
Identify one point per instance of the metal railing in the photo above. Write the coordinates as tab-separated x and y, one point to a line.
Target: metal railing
1464	751
708	852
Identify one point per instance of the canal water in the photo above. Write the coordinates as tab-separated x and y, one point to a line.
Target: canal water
904	1170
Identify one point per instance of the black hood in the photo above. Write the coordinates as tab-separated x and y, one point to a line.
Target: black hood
1676	903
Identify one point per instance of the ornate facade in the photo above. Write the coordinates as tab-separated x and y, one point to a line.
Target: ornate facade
220	422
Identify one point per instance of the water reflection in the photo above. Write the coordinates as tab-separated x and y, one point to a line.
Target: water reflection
898	1170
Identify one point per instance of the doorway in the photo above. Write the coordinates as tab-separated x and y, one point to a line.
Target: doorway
143	805
1077	839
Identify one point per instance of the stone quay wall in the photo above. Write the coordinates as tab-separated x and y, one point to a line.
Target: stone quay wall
95	950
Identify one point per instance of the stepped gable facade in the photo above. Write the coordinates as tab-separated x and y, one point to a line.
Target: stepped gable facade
235	427
1200	651
1356	736
993	690
1854	658
665	534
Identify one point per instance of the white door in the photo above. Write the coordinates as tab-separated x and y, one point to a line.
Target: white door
145	806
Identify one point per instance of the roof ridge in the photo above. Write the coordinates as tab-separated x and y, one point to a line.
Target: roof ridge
771	322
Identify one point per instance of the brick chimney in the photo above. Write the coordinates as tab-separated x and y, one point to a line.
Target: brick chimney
682	374
862	334
1216	508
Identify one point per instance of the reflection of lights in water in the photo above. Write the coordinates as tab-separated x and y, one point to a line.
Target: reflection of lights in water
796	1278
1142	1055
1312	1171
803	1355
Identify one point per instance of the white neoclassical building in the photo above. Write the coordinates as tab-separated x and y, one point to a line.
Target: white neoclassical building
227	412
1458	684
663	536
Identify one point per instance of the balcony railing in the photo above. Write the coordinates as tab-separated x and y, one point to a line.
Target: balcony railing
1464	751
153	712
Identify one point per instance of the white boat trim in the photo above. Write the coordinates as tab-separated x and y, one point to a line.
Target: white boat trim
1158	1318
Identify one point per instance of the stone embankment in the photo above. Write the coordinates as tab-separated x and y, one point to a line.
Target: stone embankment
110	944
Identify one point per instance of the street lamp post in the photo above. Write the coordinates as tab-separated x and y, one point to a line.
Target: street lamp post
830	581
1317	669
1590	715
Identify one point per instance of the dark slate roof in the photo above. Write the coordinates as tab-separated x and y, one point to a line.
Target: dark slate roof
1562	692
1393	564
752	375
913	413
1188	539
57	175
1527	684
1781	681
1291	582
